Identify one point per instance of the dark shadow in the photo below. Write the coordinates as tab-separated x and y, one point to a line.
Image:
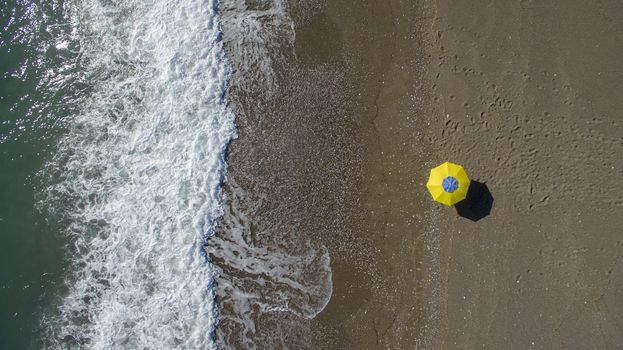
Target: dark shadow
478	202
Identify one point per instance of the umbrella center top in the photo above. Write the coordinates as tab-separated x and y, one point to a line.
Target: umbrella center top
450	184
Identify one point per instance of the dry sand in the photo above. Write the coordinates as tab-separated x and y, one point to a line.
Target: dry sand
524	94
527	99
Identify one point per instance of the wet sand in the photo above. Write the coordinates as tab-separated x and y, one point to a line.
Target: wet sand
392	302
524	95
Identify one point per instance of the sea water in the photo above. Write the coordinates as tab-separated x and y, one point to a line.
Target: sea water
35	98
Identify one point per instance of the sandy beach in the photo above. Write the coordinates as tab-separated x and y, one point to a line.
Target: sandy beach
373	95
251	174
526	99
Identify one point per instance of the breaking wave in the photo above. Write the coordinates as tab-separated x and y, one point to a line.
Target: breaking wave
138	176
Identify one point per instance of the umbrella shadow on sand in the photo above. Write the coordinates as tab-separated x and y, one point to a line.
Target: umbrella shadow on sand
477	204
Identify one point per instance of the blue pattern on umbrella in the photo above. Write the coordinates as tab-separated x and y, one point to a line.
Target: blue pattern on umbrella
450	184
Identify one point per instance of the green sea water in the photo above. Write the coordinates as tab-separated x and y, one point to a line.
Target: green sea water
31	114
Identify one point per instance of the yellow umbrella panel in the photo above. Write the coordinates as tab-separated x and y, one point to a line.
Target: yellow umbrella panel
448	183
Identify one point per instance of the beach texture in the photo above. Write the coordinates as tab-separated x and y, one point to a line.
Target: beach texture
526	99
250	174
523	94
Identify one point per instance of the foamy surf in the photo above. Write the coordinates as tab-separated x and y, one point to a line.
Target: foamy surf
138	176
137	179
266	290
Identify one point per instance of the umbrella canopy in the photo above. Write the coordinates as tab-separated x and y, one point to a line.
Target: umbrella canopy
448	183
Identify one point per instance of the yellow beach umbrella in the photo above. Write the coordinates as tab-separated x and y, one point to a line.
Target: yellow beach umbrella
448	183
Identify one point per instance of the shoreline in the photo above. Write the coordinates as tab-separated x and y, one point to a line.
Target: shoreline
338	128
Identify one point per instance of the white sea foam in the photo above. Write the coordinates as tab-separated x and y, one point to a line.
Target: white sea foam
138	176
256	280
